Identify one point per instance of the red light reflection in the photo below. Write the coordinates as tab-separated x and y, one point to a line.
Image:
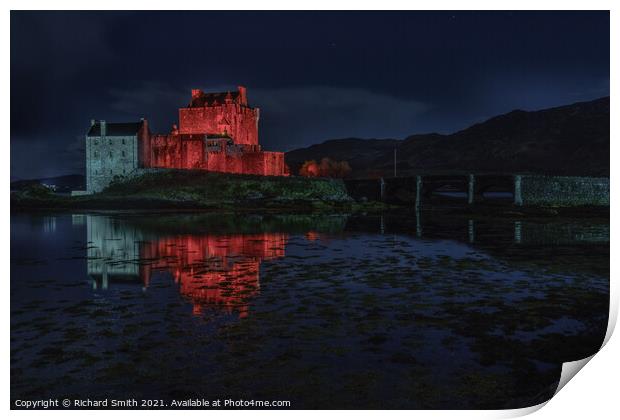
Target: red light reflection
213	270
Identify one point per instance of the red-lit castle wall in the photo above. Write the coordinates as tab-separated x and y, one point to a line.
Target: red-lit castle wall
217	113
240	122
223	119
176	151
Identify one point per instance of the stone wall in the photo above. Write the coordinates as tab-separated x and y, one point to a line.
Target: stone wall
188	151
107	157
174	151
247	162
239	121
563	191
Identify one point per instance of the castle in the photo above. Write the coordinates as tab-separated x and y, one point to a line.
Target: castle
216	132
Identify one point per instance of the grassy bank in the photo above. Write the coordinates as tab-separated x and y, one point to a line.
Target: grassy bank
199	190
177	189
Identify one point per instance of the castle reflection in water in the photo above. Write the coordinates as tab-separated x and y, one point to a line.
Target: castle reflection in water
211	270
215	260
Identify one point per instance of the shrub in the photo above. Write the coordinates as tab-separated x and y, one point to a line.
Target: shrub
326	168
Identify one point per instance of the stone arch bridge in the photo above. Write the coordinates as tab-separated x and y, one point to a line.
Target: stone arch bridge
529	190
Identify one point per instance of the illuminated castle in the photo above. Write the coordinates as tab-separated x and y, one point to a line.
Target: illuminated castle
217	132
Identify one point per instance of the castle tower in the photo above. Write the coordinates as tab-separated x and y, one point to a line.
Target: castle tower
218	113
114	150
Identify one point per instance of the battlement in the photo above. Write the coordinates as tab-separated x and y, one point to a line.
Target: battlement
202	99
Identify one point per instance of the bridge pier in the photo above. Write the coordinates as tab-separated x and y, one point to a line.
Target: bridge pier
418	192
471	184
418	223
518	197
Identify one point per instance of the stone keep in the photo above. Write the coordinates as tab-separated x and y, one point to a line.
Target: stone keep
218	113
113	150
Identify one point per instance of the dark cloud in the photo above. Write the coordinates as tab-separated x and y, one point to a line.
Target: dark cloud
315	75
297	117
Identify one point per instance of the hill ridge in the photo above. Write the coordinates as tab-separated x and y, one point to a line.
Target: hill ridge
564	140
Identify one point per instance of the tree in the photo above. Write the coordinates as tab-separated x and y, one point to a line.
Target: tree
309	169
343	169
327	168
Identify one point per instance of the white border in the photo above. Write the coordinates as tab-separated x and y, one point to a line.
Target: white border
593	394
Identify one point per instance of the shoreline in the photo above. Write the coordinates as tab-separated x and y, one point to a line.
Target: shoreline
480	210
198	191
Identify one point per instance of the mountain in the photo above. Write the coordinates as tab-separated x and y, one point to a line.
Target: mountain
567	140
64	183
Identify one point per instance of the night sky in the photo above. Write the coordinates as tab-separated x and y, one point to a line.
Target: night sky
315	75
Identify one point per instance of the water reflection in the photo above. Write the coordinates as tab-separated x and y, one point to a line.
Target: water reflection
487	230
330	311
223	270
210	270
49	224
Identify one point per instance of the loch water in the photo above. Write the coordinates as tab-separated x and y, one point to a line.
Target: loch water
401	310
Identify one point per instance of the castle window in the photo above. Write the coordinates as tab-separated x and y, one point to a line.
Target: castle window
110	153
123	152
123	141
110	171
96	141
96	154
110	142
